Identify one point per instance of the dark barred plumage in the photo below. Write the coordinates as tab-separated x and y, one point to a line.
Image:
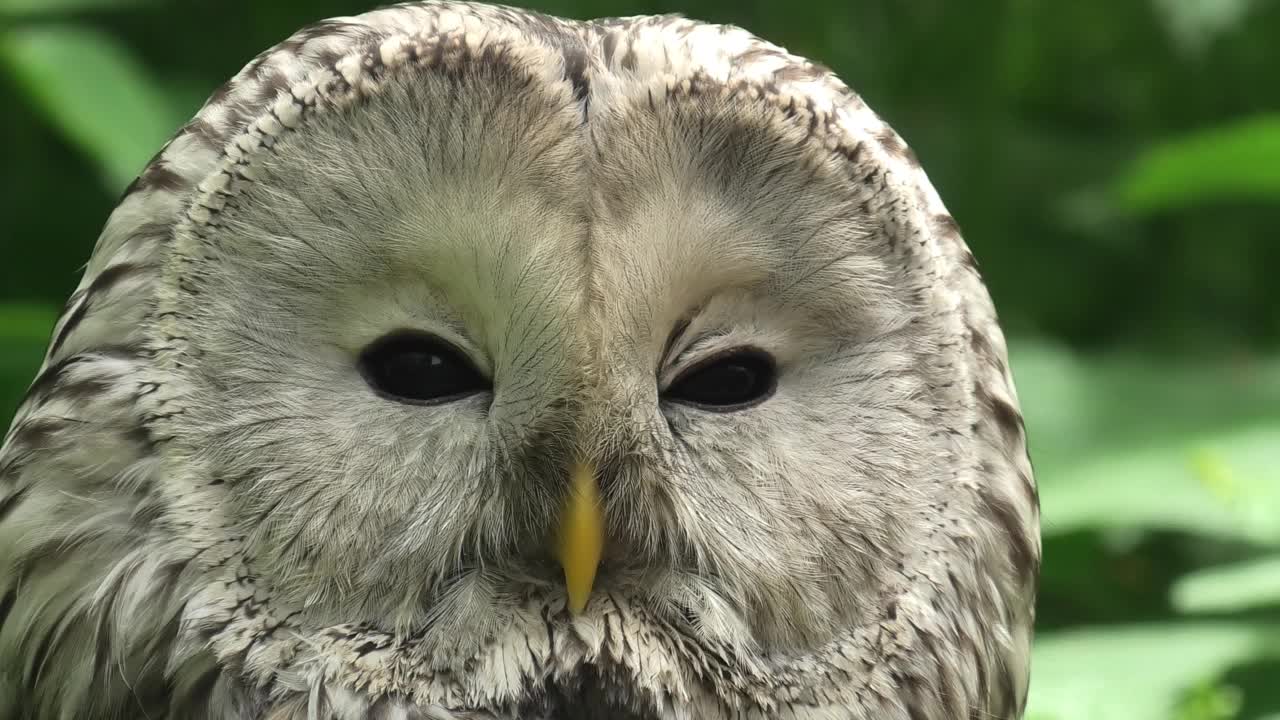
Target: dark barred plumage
206	514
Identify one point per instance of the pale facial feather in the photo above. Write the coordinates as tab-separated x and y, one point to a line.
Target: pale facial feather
561	257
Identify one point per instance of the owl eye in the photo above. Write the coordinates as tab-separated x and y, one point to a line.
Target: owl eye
417	368
731	380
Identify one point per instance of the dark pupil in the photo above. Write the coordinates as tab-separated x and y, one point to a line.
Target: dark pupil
735	379
415	367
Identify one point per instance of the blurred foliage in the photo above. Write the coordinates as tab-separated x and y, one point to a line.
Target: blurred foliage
1115	166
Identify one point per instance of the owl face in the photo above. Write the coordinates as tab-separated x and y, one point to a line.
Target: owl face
495	366
410	326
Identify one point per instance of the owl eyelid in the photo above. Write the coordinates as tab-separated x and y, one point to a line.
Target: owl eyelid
669	347
448	334
679	365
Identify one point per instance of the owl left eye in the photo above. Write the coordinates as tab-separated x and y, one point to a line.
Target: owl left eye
732	380
421	369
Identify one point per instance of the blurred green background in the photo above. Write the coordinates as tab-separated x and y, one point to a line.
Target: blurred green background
1115	165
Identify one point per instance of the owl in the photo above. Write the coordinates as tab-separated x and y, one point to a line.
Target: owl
457	361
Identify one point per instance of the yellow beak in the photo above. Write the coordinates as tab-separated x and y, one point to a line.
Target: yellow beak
581	536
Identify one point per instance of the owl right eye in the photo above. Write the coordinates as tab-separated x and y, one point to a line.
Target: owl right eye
420	369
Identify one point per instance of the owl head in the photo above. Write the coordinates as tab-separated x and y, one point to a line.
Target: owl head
462	360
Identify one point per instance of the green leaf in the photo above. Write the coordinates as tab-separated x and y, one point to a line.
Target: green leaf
22	323
45	7
1237	161
1195	24
1138	672
1142	443
24	334
1081	406
1230	588
1210	701
93	90
1226	484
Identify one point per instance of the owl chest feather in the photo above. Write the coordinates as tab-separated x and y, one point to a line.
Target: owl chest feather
585	695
